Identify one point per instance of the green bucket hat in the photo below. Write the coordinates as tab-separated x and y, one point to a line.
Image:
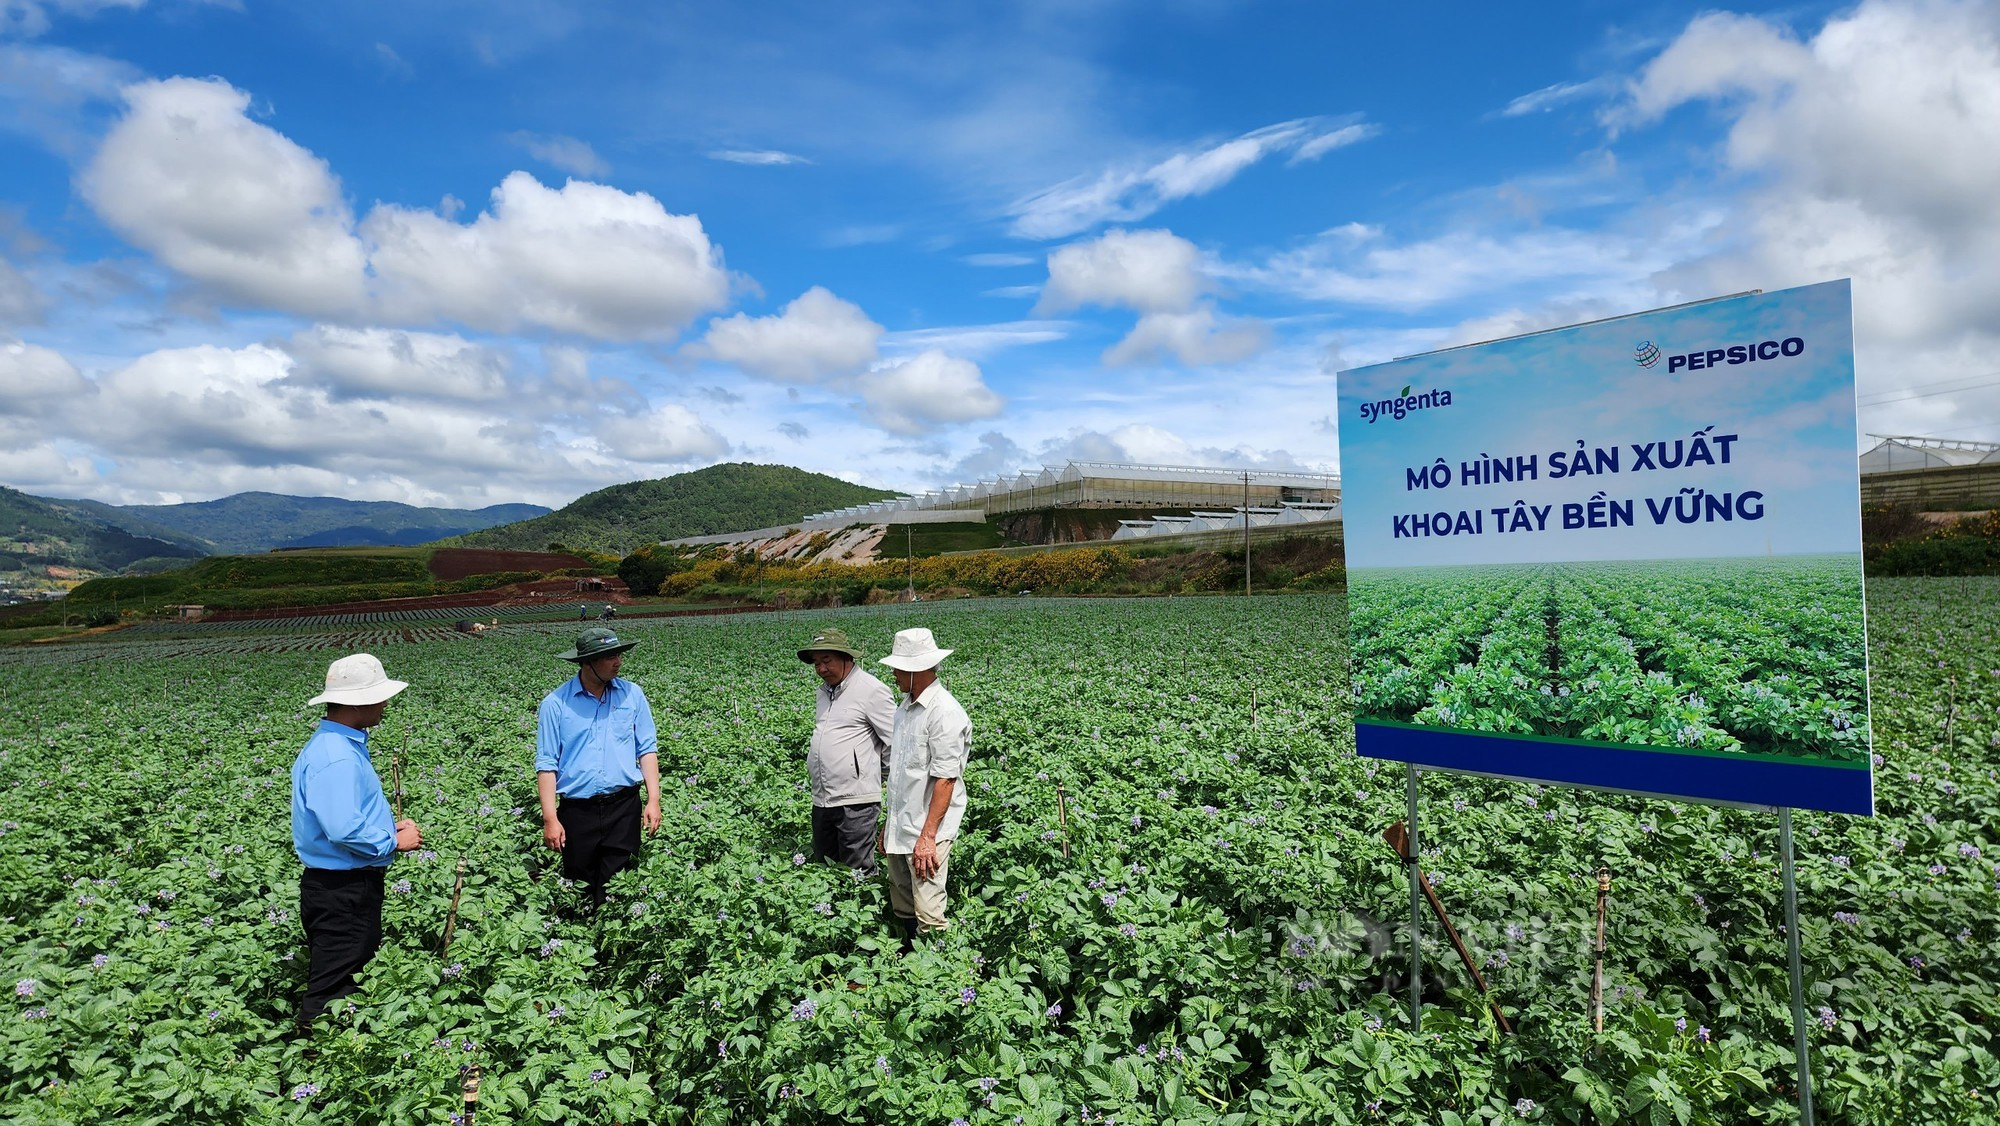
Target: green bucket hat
595	642
829	641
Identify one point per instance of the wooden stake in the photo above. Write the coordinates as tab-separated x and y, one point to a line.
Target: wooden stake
451	920
1062	818
1597	974
396	775
470	1086
1399	839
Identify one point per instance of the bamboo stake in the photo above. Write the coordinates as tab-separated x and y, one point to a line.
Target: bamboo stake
396	775
1951	713
470	1087
1399	840
1062	818
451	920
1597	974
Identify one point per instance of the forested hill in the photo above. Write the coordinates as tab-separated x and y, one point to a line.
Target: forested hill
721	498
46	544
247	523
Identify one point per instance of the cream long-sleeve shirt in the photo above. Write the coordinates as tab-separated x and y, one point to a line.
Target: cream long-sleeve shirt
933	736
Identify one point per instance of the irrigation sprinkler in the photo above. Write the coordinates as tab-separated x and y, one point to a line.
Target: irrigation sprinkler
451	920
1398	837
1597	973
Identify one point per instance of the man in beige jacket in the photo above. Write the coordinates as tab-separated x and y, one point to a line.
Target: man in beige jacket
853	716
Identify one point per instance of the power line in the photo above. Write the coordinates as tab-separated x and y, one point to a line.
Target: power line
1927	394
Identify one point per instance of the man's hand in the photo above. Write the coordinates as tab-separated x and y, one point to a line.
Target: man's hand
650	817
552	832
880	834
924	858
408	836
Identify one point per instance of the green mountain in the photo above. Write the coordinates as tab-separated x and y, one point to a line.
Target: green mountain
721	498
46	545
252	522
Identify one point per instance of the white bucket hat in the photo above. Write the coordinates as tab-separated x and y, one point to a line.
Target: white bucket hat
357	679
915	650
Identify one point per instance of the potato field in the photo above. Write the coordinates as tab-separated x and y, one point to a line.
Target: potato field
1208	928
1758	655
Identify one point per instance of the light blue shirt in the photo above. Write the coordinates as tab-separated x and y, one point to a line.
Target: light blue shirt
594	746
340	817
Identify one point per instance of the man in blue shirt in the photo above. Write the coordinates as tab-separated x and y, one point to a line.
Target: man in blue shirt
594	741
343	831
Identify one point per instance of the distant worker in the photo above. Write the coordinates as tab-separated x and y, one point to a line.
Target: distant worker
610	611
583	612
594	742
854	715
928	749
343	832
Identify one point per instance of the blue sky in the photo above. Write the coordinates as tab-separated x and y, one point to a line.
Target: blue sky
472	253
1790	421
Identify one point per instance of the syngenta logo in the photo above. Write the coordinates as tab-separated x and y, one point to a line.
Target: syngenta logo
1717	357
1404	403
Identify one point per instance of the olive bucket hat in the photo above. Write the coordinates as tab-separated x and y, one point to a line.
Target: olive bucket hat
595	642
829	641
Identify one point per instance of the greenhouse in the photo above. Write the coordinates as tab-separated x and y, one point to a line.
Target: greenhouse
1092	484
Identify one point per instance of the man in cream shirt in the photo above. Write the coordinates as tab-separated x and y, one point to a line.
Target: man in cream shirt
853	714
926	800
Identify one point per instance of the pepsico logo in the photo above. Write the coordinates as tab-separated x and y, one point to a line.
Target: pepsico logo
1646	354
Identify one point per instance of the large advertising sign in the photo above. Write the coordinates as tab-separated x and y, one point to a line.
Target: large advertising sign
1624	555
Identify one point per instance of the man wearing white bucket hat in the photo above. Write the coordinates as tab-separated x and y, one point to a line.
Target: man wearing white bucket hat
343	831
927	750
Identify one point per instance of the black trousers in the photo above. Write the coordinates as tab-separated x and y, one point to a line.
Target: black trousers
845	834
600	834
342	913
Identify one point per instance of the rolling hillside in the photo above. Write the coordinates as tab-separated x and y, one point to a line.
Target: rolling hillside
721	498
47	545
251	522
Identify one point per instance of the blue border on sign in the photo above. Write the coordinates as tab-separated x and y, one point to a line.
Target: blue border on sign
1748	780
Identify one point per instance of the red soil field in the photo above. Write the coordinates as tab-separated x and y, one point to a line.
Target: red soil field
452	563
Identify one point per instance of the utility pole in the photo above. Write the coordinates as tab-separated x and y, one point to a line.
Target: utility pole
1246	533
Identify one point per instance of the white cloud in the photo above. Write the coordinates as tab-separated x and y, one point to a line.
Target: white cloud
1870	150
1161	276
207	421
757	156
1194	338
565	153
1123	195
666	434
20	302
585	258
815	336
391	363
1315	147
239	208
53	93
31	17
981	340
1147	271
34	379
227	201
1549	97
1000	259
932	388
